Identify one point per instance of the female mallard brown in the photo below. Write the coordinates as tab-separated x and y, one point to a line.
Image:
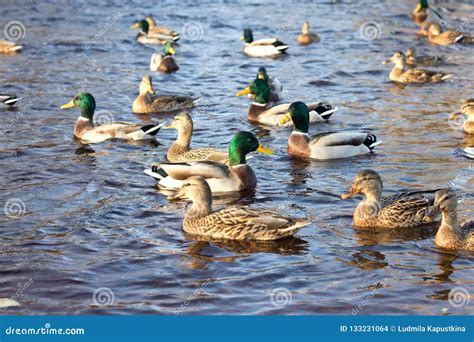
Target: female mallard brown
8	47
437	37
413	60
146	103
180	150
261	112
237	177
402	210
234	223
306	37
451	235
89	133
467	109
327	145
401	75
164	62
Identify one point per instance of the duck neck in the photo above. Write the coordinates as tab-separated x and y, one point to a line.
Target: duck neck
397	70
202	205
184	136
370	206
448	233
236	157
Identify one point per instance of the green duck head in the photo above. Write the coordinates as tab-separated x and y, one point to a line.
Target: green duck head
248	36
262	74
85	102
168	50
259	88
242	144
422	4
142	24
298	112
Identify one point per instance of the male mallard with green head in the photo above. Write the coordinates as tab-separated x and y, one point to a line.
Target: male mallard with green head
323	146
424	16
149	103
402	210
263	47
237	177
275	86
235	222
147	37
261	112
168	34
89	133
164	62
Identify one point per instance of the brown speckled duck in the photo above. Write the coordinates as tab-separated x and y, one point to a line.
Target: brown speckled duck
306	37
402	210
451	235
233	223
147	103
413	60
437	37
180	151
400	73
467	109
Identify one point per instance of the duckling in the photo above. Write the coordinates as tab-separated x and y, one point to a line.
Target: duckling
180	150
261	112
86	131
414	60
402	210
165	61
234	223
162	30
147	37
8	100
424	16
437	37
145	103
401	75
451	235
327	145
264	47
467	109
306	37
8	47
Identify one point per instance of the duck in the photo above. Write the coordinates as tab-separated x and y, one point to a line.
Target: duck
275	86
180	150
8	47
436	36
164	62
146	37
413	60
469	152
7	100
237	177
261	112
467	109
325	145
451	235
270	47
401	75
401	210
306	37
234	222
89	133
162	30
147	103
423	15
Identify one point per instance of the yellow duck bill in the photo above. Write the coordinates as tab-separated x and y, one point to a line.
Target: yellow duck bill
263	149
243	92
70	104
285	119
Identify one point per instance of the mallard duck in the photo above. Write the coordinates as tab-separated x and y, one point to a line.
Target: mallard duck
162	30
164	62
413	60
86	131
261	112
8	47
467	109
402	210
234	223
437	37
323	146
8	100
275	86
469	152
306	37
271	47
424	16
180	150
146	103
451	235
147	37
401	75
221	178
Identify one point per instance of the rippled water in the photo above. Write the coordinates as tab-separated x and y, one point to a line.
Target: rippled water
93	220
